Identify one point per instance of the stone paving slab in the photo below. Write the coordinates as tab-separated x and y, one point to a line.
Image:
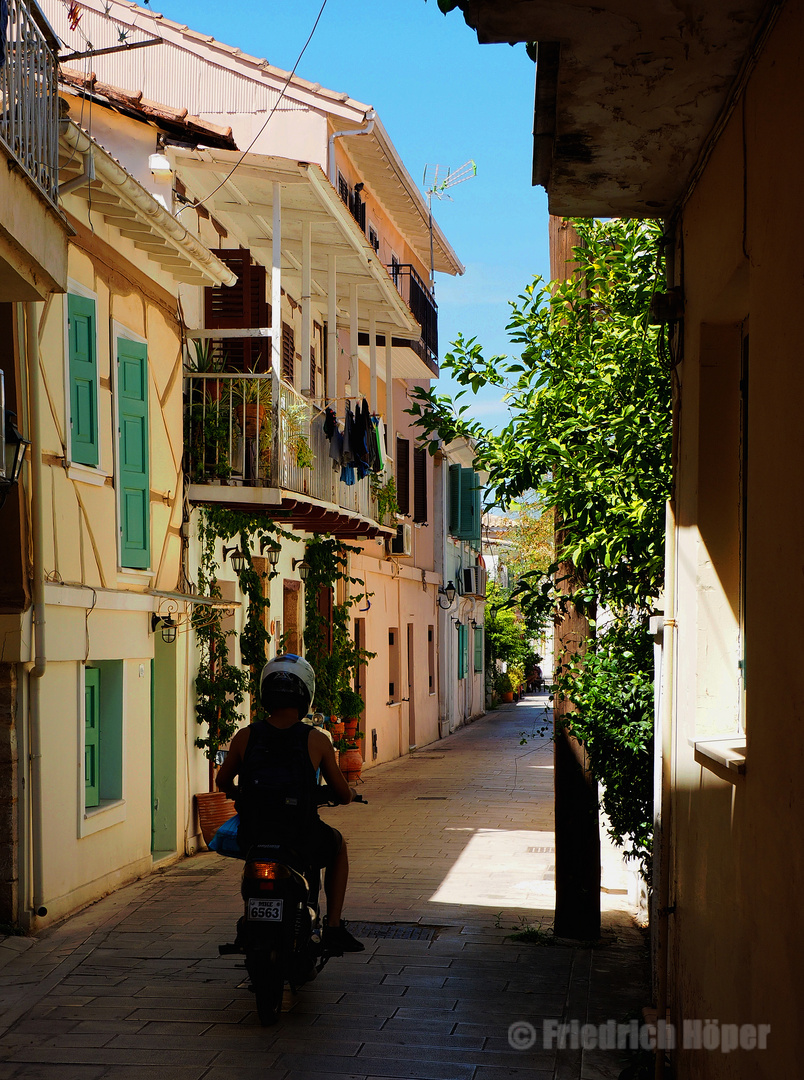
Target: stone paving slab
457	837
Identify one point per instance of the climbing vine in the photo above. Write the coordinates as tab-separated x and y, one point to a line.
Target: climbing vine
328	641
220	685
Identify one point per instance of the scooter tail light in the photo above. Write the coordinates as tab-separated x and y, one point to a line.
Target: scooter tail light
265	871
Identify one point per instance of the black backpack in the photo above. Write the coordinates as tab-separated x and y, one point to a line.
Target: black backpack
276	786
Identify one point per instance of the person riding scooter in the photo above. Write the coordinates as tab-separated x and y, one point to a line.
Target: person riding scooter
276	762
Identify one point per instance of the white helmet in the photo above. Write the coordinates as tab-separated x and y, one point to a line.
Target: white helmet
288	675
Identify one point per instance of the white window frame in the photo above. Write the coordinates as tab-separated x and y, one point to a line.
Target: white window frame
110	812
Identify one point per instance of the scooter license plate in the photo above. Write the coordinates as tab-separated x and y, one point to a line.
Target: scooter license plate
264	910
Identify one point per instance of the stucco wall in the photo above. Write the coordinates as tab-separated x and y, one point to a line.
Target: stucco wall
737	874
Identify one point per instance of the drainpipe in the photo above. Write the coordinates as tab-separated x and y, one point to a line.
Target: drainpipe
370	117
38	670
668	702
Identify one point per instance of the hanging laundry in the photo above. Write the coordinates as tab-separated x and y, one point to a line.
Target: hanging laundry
330	422
377	435
348	475
348	436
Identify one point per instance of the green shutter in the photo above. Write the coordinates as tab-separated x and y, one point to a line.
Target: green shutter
454	499
467	515
477	514
82	339
463	641
91	736
134	480
478	643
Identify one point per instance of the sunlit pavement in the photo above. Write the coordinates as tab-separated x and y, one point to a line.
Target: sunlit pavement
452	853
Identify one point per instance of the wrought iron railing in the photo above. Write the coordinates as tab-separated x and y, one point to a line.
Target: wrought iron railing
229	439
28	95
421	303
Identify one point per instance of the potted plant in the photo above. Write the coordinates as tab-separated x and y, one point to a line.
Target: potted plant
295	424
351	705
253	397
504	686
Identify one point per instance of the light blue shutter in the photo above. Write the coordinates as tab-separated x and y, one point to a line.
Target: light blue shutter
91	736
82	342
134	480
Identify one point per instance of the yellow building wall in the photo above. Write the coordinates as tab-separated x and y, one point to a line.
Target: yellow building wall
737	875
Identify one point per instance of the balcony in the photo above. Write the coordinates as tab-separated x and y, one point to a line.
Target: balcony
424	308
242	452
29	98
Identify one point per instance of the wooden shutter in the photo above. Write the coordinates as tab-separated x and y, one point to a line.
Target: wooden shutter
241	306
420	456
83	361
477	514
91	736
462	644
455	499
467	517
403	475
324	602
288	352
478	643
343	189
134	480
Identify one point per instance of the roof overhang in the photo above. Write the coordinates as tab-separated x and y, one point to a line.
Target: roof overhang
238	189
125	204
386	177
628	96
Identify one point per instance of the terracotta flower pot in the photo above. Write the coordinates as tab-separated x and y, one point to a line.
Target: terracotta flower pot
251	418
213	809
335	729
507	696
350	729
351	762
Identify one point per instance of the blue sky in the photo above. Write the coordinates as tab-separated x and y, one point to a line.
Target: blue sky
443	99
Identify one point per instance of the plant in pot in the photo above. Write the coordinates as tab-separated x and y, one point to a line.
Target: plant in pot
351	706
296	425
504	686
253	404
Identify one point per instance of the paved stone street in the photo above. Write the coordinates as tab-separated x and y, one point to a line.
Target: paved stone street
455	846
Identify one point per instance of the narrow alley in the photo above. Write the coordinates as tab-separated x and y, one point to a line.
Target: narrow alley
451	855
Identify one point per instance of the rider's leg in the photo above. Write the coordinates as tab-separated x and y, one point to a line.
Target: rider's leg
336	877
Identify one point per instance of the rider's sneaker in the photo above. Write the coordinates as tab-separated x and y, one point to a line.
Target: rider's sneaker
337	940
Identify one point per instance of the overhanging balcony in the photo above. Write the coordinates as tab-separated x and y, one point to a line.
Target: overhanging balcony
33	240
241	451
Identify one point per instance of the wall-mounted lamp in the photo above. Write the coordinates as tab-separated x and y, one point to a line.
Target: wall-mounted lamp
476	625
236	558
304	568
14	447
447	591
359	186
456	621
274	550
169	628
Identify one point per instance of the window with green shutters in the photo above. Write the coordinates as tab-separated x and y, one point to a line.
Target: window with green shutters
92	749
134	474
465	510
83	366
478	644
463	648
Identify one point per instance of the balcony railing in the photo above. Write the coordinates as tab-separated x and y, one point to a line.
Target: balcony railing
28	95
229	439
421	303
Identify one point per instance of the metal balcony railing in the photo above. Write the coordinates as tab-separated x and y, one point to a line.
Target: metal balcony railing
421	303
229	439
28	95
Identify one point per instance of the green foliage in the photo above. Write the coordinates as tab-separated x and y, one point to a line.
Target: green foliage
612	691
220	686
336	667
589	438
385	495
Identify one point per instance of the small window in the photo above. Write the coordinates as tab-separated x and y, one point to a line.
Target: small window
430	659
82	337
374	238
395	275
103	733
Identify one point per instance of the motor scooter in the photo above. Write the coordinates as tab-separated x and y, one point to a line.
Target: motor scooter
280	929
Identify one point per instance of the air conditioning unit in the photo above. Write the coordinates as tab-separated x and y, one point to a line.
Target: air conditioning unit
474	581
402	543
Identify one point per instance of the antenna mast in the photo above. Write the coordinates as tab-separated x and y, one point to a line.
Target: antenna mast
440	187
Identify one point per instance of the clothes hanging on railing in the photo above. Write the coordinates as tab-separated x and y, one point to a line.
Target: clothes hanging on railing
357	448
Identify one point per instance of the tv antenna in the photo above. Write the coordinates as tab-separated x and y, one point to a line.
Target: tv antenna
439	186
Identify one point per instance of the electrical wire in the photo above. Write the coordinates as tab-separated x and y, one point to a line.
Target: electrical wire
192	206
